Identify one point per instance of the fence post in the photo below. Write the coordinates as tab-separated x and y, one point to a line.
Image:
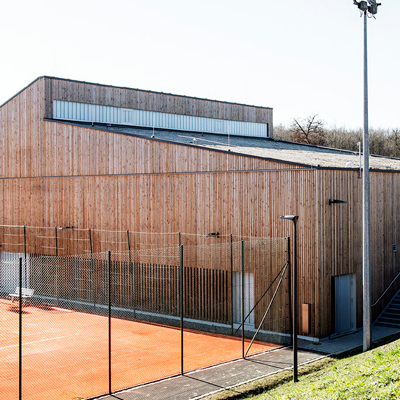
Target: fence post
290	291
131	277
181	300
56	239
242	265
109	322
20	332
92	269
26	277
231	248
57	267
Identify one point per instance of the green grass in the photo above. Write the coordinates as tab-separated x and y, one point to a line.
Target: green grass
371	375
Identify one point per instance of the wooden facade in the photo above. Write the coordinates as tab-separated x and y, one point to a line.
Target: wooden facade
56	174
81	92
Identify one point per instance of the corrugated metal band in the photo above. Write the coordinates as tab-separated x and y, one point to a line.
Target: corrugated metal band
122	116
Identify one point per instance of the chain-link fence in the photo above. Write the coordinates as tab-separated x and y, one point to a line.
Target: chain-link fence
87	312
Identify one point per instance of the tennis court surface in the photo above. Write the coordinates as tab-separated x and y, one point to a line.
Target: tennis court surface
65	353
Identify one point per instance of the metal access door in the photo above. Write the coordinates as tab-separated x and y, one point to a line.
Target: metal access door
248	298
344	304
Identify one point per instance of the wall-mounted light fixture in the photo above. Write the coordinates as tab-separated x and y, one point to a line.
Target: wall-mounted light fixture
335	201
212	234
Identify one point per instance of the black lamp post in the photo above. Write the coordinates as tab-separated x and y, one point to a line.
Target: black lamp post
294	218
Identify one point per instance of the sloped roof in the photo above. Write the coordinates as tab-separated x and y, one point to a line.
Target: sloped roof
295	153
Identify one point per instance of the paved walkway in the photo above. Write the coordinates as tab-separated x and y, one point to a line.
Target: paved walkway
347	343
200	383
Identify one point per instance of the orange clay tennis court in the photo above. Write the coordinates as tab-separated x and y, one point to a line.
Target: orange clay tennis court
65	353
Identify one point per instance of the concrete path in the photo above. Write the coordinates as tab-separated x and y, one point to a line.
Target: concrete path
200	383
347	343
209	380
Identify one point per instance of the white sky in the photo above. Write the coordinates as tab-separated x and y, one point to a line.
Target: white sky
299	57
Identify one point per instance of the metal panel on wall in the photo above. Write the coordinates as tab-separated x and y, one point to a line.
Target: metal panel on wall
122	116
345	303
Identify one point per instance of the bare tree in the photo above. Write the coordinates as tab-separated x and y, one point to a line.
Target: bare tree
385	142
396	139
309	130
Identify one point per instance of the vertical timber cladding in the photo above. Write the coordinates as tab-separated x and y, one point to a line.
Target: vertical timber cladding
241	203
341	235
81	92
21	139
75	150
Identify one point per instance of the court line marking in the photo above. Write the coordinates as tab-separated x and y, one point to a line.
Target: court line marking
36	341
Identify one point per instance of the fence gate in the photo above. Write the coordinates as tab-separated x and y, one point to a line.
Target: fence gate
248	299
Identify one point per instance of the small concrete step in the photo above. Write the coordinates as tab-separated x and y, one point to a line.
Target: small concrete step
388	325
393	309
385	319
391	314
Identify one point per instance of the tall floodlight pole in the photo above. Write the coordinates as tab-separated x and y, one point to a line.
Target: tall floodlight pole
367	8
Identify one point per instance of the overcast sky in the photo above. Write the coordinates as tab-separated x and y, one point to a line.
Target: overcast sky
299	57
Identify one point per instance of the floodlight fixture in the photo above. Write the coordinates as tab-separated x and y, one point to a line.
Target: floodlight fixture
370	6
362	5
373	8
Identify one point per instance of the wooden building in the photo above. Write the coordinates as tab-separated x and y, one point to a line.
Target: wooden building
108	158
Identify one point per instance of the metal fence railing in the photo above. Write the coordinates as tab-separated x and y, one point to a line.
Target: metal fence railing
79	321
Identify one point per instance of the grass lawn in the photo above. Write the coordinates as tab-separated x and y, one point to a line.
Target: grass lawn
371	375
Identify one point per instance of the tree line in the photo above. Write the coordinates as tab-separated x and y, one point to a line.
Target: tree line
312	130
